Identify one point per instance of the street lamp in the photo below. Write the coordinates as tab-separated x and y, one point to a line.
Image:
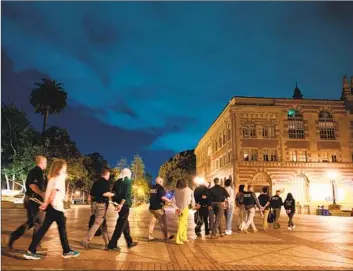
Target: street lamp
332	175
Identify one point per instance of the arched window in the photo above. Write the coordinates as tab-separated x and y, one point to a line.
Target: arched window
326	125
295	124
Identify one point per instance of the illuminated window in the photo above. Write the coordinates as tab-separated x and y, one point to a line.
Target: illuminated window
324	157
293	156
245	132
303	157
295	124
265	155
253	155
333	157
273	155
326	125
246	155
249	132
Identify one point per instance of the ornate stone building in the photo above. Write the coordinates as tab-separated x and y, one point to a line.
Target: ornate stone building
302	146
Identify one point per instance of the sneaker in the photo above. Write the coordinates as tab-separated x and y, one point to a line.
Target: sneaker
198	235
293	228
71	254
254	231
133	244
207	233
289	228
150	240
179	243
31	256
10	243
171	237
228	232
85	245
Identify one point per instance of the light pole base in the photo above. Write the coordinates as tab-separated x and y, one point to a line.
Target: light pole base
334	207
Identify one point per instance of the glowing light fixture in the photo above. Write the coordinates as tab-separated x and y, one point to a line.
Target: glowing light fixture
332	175
199	180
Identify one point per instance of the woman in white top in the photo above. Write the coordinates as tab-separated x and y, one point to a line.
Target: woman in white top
230	209
182	201
54	206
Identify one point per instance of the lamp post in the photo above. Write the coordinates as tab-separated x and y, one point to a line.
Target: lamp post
332	175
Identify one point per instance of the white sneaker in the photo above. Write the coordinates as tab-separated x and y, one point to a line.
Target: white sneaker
293	227
289	228
228	232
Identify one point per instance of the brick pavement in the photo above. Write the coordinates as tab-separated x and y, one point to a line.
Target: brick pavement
318	243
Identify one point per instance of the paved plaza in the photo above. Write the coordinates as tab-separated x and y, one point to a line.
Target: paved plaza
318	243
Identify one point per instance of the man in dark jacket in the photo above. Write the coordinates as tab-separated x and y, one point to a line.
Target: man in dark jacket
35	188
250	200
122	190
276	203
203	204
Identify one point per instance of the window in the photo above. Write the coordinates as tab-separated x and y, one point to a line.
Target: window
326	125
324	157
224	138
252	132
273	155
293	156
265	155
303	157
333	157
264	132
246	155
253	155
245	132
220	142
271	132
295	124
229	134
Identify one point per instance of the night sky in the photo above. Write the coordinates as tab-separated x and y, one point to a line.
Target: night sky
150	77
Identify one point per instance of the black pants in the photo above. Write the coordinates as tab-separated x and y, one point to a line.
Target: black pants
60	219
290	221
203	211
122	226
34	219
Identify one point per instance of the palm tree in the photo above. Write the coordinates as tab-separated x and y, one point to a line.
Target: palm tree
47	98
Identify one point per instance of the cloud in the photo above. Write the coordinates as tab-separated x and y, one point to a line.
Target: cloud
141	66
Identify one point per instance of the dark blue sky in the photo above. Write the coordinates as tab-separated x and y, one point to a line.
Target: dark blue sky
150	77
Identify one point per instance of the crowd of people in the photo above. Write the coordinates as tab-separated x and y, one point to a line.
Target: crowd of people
214	208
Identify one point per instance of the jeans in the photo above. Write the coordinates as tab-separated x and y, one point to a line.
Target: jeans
99	210
35	219
122	226
218	211
277	213
250	219
203	211
182	234
51	216
290	221
229	217
161	216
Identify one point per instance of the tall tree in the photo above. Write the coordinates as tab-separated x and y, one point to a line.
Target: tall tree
137	167
48	98
121	164
94	163
181	166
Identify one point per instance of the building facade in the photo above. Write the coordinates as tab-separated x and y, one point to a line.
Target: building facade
302	146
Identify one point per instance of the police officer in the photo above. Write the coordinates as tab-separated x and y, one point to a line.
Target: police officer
35	188
100	194
250	200
276	203
157	200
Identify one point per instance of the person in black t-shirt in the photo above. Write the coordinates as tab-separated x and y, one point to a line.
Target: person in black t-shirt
157	200
35	188
100	195
264	200
203	205
276	203
289	206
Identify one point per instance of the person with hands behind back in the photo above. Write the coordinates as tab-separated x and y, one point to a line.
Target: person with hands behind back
122	190
54	205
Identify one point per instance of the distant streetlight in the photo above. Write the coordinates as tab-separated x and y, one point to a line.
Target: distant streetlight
199	180
77	193
332	175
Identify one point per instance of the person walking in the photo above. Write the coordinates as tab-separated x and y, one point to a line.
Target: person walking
203	205
230	210
54	205
35	188
218	197
100	195
250	200
289	206
239	201
276	203
122	190
264	200
157	200
183	200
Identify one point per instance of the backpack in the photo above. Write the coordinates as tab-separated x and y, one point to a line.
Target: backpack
240	199
271	217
